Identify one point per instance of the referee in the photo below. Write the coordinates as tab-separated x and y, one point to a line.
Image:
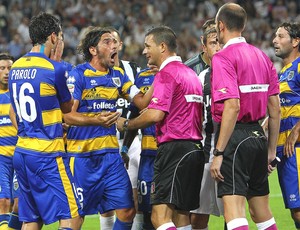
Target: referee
244	87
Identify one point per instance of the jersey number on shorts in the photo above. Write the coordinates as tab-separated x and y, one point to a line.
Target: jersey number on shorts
24	100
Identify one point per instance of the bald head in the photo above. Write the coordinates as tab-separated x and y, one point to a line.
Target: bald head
233	16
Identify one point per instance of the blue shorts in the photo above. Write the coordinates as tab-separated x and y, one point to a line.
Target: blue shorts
288	175
46	189
16	188
104	183
145	177
6	178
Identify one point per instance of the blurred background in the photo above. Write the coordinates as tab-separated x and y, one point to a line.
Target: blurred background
134	17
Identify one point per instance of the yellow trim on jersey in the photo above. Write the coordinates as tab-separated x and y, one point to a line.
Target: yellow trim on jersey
285	67
283	136
8	131
149	142
100	93
92	73
4	108
284	87
68	187
288	111
31	62
40	145
47	90
52	116
125	88
93	144
7	150
119	69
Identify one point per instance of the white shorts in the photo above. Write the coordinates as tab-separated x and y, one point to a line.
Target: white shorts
134	160
209	203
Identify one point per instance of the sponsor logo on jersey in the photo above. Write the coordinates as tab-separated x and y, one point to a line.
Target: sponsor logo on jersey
103	105
116	81
122	103
193	98
4	121
254	88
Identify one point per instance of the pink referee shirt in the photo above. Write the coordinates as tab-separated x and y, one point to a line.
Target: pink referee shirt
242	71
178	93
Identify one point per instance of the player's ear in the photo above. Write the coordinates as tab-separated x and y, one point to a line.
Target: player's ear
93	50
296	42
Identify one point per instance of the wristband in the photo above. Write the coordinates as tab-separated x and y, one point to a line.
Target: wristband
124	149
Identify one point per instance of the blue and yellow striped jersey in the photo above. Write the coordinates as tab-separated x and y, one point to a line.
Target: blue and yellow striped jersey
289	78
37	87
149	146
96	92
8	133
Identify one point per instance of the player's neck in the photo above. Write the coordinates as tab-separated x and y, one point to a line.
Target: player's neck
292	57
41	49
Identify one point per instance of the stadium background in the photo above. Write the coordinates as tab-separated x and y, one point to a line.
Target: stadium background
134	17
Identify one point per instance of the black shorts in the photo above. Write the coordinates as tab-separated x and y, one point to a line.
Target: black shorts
245	162
178	170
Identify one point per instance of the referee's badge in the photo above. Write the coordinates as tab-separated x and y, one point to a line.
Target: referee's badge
290	75
116	81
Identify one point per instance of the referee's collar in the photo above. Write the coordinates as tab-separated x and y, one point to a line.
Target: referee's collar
234	41
168	60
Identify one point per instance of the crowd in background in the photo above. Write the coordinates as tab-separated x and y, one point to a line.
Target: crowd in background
133	18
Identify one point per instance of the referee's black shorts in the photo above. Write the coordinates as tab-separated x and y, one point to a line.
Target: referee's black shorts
178	170
245	162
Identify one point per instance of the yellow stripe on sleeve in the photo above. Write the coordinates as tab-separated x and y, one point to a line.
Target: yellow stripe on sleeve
149	142
47	90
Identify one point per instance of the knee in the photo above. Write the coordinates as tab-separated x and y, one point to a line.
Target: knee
5	205
126	214
296	214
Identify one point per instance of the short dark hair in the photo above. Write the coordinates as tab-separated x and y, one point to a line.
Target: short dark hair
113	29
208	24
6	56
41	26
293	30
164	34
92	38
208	32
233	16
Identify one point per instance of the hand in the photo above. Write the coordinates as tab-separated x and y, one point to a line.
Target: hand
215	168
65	126
120	124
125	158
107	119
56	53
289	146
154	69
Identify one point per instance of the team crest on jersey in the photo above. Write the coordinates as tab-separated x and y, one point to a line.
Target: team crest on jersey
93	82
290	75
116	81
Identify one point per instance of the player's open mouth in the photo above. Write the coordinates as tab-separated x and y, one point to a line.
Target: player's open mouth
113	55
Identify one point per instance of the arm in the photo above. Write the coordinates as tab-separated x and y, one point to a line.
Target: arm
66	107
105	119
142	100
12	117
229	118
147	118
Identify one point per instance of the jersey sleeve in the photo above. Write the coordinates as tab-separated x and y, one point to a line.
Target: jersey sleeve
78	87
224	79
63	92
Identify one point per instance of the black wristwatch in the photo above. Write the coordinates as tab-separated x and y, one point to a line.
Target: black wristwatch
217	152
125	125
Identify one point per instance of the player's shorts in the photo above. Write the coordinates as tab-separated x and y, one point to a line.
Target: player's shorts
245	162
46	189
288	175
15	188
103	183
178	170
209	203
6	178
134	160
144	183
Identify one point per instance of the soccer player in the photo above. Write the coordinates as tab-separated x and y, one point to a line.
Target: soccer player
244	87
176	108
209	203
131	156
287	47
8	140
91	139
201	61
40	97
